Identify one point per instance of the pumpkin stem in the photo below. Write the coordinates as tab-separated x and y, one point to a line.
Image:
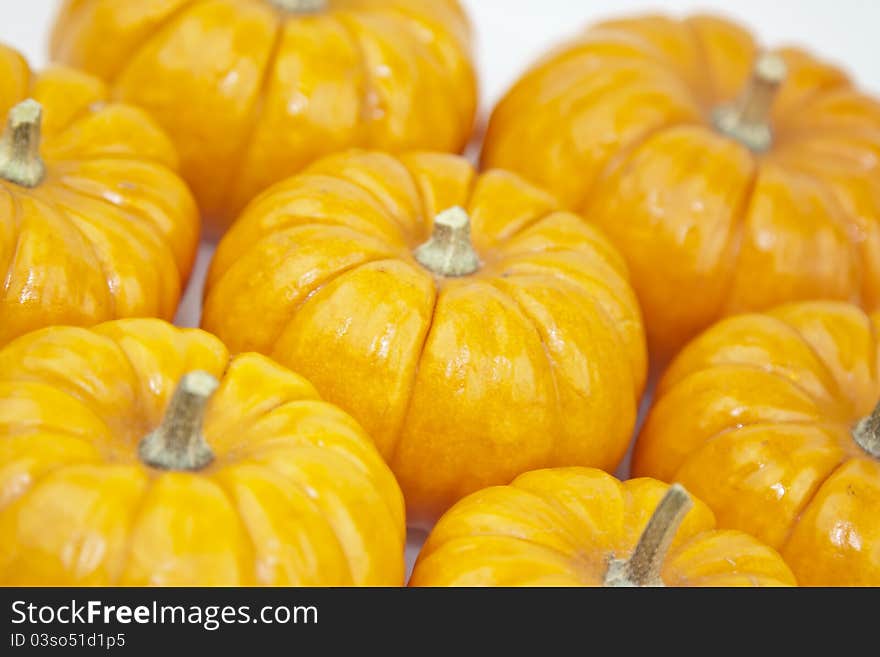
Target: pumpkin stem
178	443
20	161
867	433
449	252
300	6
748	119
643	567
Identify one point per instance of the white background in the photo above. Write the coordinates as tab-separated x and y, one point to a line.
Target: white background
512	33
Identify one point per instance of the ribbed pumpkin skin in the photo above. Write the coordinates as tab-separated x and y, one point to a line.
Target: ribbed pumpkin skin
562	527
111	231
252	94
535	360
618	123
755	418
296	495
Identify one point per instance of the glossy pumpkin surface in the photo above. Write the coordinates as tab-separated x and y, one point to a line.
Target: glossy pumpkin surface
104	228
566	527
535	358
254	90
296	494
625	124
759	417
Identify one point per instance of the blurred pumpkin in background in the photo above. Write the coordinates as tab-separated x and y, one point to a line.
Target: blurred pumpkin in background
137	454
773	421
731	179
582	527
94	222
475	330
254	90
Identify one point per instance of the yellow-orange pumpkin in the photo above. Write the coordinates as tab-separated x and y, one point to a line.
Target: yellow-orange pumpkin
731	180
768	419
94	223
136	453
473	329
254	90
582	527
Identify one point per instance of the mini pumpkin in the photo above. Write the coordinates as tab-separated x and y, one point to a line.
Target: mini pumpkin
94	222
136	453
582	527
731	179
473	329
253	91
768	419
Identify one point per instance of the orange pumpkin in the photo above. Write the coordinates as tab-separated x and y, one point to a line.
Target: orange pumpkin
136	453
254	90
94	223
731	180
582	527
768	419
473	329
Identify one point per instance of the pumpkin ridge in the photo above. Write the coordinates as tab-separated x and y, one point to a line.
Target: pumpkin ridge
817	93
501	533
842	218
621	158
465	203
13	255
703	52
531	321
573	287
255	113
732	430
438	549
392	454
87	403
872	362
130	214
77	116
135	517
423	228
419	19
103	265
34	481
565	512
138	385
391	217
358	465
249	561
48	428
370	89
742	212
64	218
319	285
230	475
319	509
499	240
159	29
819	405
810	499
413	24
837	393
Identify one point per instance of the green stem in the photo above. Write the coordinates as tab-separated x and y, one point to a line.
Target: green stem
867	433
178	443
20	161
450	252
644	566
300	6
748	119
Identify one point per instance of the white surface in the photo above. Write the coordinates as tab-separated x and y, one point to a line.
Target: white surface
512	33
